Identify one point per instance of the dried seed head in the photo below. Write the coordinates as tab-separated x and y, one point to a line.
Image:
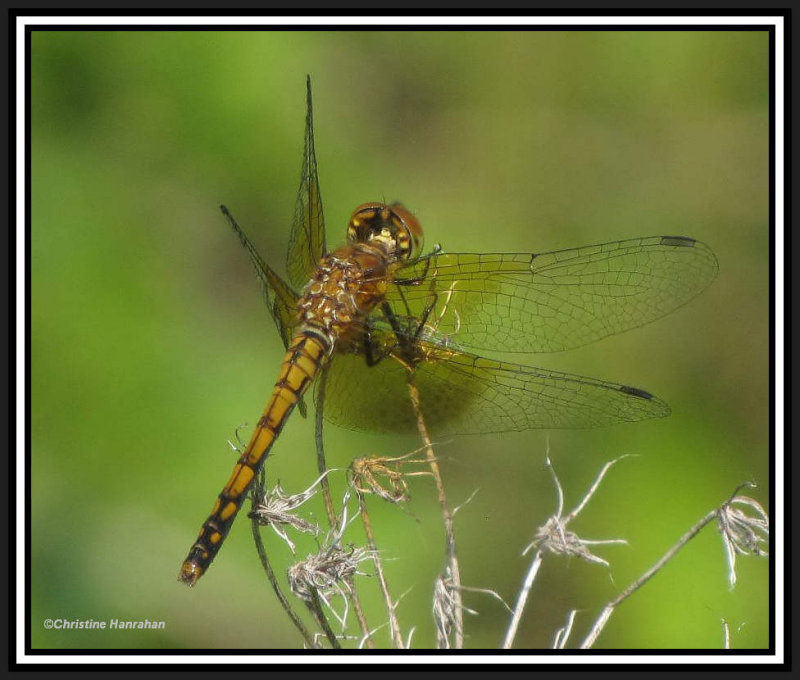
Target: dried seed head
275	510
327	572
383	476
553	535
444	609
741	532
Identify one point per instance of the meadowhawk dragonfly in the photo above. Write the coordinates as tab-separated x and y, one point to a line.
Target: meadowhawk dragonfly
376	313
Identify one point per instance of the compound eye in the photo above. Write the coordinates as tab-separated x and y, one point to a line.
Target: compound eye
393	224
409	232
369	210
361	221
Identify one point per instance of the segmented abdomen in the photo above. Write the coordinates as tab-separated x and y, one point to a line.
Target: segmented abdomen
302	362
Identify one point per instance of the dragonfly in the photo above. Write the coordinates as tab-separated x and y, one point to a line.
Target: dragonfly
377	313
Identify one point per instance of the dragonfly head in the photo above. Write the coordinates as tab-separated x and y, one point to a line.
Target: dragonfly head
392	225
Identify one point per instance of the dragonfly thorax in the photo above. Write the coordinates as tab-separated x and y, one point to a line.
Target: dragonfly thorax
348	284
392	226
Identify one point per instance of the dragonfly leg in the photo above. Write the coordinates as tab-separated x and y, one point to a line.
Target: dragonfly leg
425	314
417	280
373	352
407	337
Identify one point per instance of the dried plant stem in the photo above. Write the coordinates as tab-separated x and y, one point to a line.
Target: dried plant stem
522	600
362	619
394	626
447	516
321	464
562	634
553	536
265	563
608	610
322	467
315	606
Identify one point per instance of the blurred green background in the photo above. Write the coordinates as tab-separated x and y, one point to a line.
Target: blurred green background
150	343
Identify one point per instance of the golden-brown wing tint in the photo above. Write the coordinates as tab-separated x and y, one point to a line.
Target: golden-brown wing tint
547	302
307	238
463	393
281	300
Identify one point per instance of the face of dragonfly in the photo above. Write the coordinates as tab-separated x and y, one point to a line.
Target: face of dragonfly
394	227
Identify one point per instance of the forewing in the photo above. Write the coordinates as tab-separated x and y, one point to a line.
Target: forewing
461	393
280	298
307	238
547	302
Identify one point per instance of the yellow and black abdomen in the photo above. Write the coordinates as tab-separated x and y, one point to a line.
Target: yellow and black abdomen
348	284
300	365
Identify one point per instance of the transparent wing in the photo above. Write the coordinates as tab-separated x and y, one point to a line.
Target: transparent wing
280	298
307	238
462	393
547	302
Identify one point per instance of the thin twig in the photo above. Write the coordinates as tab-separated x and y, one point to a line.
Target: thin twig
593	488
522	600
322	466
486	591
562	634
265	563
447	516
315	606
605	614
394	626
362	619
553	537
